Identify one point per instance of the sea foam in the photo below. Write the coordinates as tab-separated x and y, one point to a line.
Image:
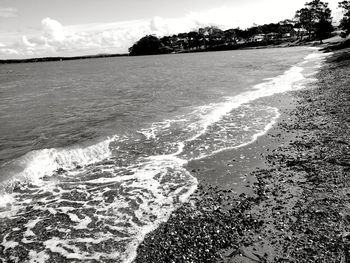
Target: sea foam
36	164
114	199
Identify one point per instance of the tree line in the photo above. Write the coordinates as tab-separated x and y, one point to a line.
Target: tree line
312	22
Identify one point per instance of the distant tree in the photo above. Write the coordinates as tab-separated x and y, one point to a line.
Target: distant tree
210	36
194	40
268	28
252	31
285	27
304	20
216	36
316	19
242	34
166	41
230	36
148	45
323	29
287	22
182	41
345	21
203	33
183	36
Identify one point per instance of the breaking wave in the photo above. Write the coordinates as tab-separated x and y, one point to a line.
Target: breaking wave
98	202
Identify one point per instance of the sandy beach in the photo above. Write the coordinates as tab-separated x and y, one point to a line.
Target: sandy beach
283	198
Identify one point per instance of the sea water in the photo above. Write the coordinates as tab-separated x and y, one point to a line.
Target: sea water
92	152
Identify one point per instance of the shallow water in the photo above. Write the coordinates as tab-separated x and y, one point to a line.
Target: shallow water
92	151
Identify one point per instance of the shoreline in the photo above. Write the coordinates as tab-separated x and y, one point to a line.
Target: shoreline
270	200
247	47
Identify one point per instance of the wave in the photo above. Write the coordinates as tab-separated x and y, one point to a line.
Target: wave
116	191
37	164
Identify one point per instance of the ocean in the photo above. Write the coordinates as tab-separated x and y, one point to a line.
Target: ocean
93	152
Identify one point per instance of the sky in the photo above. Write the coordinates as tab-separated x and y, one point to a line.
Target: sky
40	28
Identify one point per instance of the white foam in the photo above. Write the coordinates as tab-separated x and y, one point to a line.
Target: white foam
7	244
6	199
30	225
159	181
36	164
253	138
317	56
82	223
292	79
264	131
57	245
38	257
164	196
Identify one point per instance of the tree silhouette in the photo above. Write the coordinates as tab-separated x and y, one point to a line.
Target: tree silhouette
230	36
149	45
316	19
345	21
194	40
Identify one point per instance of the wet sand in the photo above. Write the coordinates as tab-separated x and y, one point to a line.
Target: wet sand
283	198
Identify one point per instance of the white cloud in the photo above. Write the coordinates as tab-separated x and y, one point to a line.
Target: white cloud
27	43
56	39
8	51
8	12
241	16
79	39
53	30
222	17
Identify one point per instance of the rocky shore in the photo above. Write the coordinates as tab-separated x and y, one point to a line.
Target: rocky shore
284	198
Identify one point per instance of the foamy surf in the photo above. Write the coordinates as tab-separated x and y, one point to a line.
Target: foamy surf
37	164
99	202
116	205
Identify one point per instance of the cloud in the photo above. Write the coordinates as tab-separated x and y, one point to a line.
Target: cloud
27	43
8	12
57	39
8	51
222	17
227	17
53	29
